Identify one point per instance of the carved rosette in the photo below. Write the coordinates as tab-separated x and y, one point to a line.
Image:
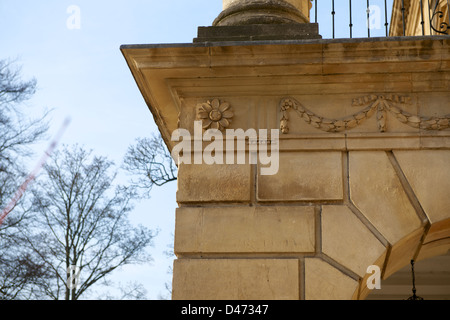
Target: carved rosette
375	104
215	114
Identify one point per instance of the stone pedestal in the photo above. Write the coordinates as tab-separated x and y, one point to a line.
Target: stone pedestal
253	20
258	32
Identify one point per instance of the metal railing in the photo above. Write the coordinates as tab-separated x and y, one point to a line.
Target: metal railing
436	16
375	17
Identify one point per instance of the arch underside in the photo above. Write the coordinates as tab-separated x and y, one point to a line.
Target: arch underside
431	241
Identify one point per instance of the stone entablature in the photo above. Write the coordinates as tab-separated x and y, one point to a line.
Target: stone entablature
327	77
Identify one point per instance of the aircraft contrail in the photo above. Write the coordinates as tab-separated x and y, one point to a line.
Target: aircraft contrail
19	193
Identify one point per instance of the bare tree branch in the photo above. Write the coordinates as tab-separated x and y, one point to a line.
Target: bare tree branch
12	88
150	163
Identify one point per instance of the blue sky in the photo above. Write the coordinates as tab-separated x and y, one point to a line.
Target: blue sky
82	74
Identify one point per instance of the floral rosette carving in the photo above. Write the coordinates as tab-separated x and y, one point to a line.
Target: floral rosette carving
215	114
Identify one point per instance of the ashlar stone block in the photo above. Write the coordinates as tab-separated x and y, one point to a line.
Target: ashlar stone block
325	282
428	172
377	192
347	240
249	230
214	183
236	279
304	176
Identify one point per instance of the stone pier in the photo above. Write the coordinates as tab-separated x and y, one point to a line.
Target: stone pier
364	153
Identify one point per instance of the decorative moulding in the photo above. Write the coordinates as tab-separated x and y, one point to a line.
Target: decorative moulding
379	104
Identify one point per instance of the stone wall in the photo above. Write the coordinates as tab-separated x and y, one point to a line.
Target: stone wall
312	230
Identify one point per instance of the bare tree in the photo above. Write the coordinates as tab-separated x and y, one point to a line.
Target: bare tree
129	291
170	254
150	163
12	88
81	223
19	272
17	132
17	135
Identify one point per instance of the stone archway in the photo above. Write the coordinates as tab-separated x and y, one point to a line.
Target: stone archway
396	212
432	281
431	244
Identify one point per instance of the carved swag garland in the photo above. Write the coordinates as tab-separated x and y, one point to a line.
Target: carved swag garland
379	104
